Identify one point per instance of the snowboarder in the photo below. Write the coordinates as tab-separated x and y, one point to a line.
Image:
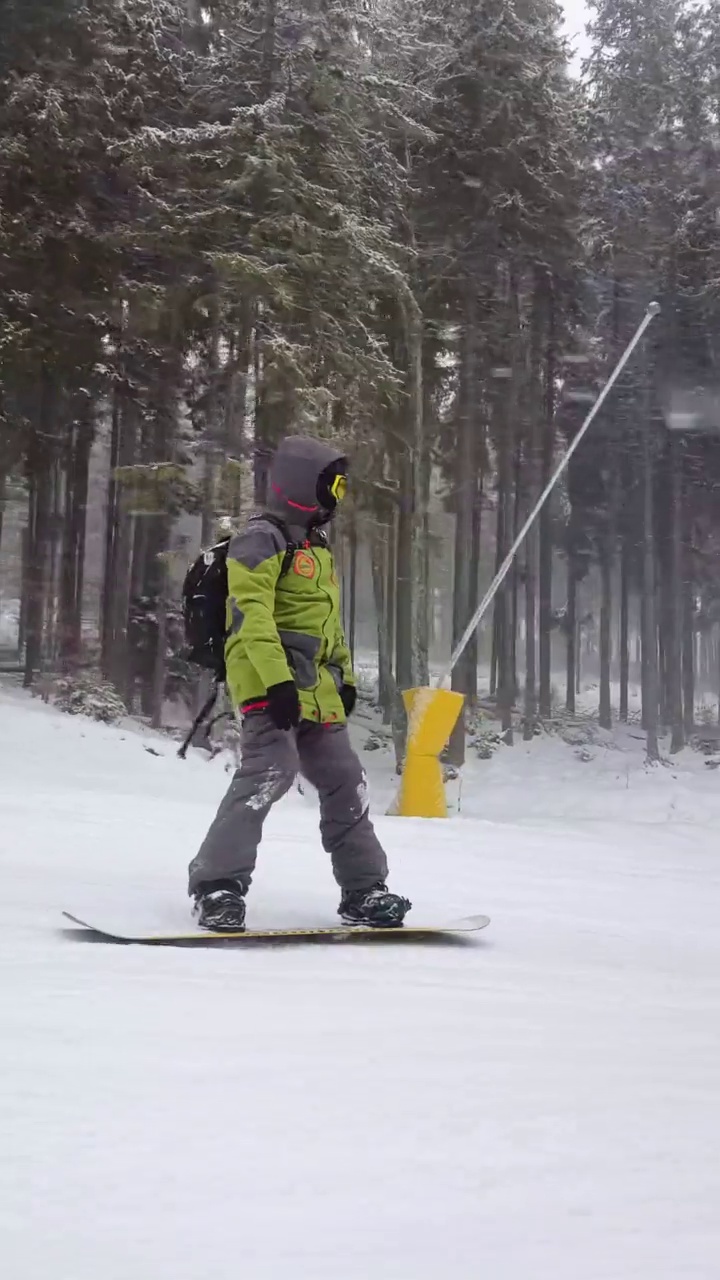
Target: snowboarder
290	677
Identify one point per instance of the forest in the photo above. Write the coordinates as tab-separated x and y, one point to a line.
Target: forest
405	224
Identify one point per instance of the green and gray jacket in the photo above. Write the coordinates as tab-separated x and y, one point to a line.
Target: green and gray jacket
287	626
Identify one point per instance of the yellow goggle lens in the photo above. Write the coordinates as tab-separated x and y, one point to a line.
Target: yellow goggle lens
338	488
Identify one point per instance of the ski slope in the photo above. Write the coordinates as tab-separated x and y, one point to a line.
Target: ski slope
543	1104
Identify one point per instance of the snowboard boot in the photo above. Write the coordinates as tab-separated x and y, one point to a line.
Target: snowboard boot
376	907
220	906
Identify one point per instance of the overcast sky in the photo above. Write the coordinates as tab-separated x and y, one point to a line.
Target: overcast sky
576	17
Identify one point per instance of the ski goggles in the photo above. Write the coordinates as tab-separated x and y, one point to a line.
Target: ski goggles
338	488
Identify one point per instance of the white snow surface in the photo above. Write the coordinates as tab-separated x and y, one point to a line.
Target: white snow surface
539	1104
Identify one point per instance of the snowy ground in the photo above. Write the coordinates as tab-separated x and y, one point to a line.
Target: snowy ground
543	1104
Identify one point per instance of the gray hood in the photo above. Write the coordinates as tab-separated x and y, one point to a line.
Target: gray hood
294	474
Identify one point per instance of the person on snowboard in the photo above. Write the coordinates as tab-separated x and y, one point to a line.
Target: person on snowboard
290	677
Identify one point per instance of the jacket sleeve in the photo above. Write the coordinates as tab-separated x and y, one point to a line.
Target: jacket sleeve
253	568
341	656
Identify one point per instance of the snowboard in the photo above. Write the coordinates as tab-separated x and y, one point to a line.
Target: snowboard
345	932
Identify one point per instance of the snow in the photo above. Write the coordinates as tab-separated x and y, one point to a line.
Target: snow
539	1104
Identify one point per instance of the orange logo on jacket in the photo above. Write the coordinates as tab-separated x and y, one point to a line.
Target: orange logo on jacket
304	565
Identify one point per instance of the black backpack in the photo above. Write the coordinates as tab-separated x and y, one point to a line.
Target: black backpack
204	607
204	601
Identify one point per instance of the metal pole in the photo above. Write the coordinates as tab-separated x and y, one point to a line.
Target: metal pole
652	311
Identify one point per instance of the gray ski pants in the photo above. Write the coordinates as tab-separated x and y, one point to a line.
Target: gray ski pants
271	759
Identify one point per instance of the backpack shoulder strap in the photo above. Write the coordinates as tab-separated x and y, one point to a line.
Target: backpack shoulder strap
290	546
218	551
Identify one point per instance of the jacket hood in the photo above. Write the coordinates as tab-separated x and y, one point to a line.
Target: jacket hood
294	474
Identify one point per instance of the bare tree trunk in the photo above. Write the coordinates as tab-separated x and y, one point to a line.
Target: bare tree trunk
688	612
160	663
649	624
456	746
571	634
465	499
514	574
404	575
37	566
214	443
38	555
391	582
702	663
667	685
474	645
546	553
395	712
236	397
161	447
405	595
138	566
718	667
262	445
426	612
52	583
25	537
68	565
530	641
578	650
73	552
268	48
419	491
82	485
606	566
207	509
27	586
40	465
427	641
508	522
688	656
495	621
123	560
503	610
624	629
422	561
663	631
605	716
3	491
532	475
675	596
111	533
379	554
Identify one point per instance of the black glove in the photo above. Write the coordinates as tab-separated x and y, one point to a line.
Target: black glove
348	697
284	704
